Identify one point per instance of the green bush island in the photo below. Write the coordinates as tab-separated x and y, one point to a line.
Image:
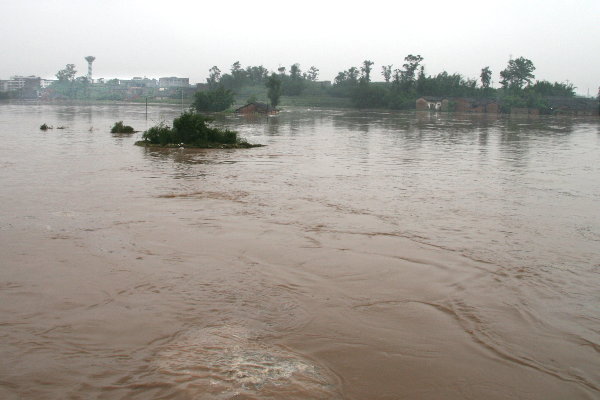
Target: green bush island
192	129
119	127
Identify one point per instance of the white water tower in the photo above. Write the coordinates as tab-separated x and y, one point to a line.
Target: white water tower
90	60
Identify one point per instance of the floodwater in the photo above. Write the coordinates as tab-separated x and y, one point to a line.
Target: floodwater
356	256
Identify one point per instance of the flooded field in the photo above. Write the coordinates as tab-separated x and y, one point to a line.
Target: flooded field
359	255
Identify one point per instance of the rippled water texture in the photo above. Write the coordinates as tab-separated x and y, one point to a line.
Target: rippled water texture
356	256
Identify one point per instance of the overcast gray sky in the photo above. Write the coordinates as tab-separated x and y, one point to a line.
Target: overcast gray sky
185	38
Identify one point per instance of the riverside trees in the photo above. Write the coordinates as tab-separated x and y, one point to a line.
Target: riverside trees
402	86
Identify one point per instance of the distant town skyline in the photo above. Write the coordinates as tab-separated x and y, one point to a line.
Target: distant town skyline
185	39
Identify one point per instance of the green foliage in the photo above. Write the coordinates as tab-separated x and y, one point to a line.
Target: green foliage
66	74
399	100
518	73
119	127
189	128
294	84
369	96
214	77
366	70
218	99
407	76
486	77
445	84
274	92
546	88
345	83
158	134
512	101
312	74
386	71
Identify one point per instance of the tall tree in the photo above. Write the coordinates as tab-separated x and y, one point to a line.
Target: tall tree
518	73
397	76
257	74
421	79
352	75
386	71
340	78
274	92
238	74
486	77
312	74
410	67
214	77
293	84
218	99
366	70
66	74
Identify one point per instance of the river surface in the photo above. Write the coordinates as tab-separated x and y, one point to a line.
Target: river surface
358	255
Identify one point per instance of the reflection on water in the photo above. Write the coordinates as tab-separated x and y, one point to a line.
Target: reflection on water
357	255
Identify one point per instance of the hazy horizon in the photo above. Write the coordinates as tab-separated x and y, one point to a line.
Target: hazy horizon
185	39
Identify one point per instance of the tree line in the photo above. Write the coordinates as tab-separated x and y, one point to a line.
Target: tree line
398	89
400	86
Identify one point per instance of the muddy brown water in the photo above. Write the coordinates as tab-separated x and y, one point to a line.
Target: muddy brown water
356	256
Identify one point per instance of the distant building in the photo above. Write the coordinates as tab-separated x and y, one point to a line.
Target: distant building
44	83
173	82
460	104
139	82
572	105
430	104
20	82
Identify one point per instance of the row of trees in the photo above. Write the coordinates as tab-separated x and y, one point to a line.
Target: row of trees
399	89
402	86
293	83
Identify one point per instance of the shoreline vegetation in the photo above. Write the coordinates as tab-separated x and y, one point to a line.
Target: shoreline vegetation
192	130
397	87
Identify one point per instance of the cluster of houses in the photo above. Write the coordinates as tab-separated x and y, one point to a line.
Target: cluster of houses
556	106
30	87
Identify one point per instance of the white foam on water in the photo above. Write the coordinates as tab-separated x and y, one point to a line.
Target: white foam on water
229	361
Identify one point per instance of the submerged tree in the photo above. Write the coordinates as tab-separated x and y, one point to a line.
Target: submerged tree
518	73
193	129
274	92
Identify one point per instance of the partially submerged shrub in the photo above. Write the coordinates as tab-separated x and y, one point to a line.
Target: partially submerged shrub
119	127
44	127
190	128
158	134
